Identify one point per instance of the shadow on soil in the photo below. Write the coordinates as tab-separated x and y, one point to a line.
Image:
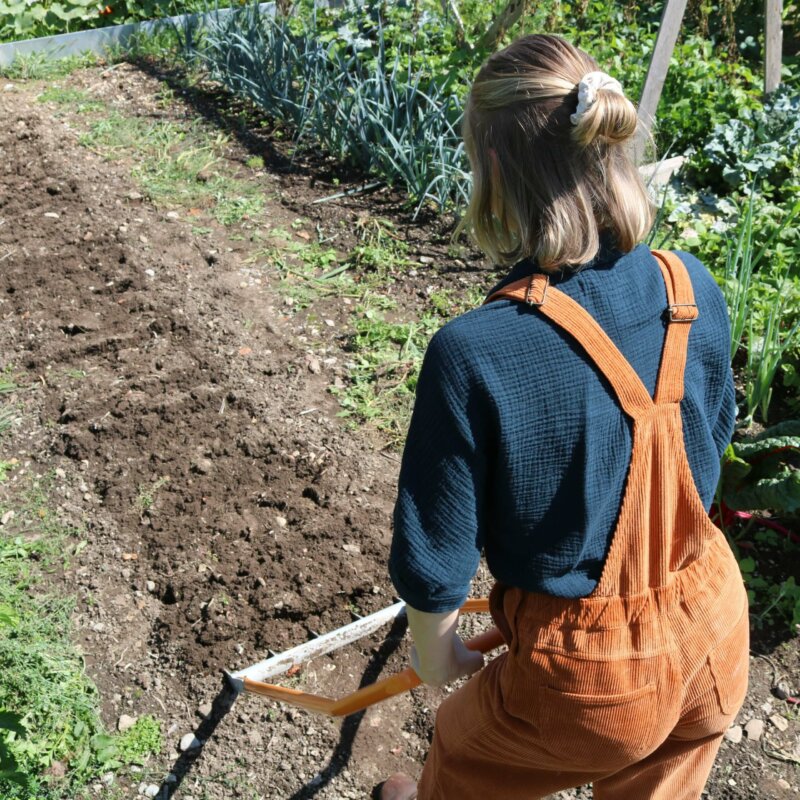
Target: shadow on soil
340	757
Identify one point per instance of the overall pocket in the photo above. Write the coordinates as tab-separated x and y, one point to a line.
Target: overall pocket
594	715
729	663
591	731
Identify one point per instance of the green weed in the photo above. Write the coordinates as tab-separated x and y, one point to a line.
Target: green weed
176	166
774	600
38	67
42	678
145	498
80	101
386	357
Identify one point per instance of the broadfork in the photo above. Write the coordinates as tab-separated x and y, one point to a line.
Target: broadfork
252	679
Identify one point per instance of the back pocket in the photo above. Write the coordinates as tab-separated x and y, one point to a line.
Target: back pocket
729	662
598	732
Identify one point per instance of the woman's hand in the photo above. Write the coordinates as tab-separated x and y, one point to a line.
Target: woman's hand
439	656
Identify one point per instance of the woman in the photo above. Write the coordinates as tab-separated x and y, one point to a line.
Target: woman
571	429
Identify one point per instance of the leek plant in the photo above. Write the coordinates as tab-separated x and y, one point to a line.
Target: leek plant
379	116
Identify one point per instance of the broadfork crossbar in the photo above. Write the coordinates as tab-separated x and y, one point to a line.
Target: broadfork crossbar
251	679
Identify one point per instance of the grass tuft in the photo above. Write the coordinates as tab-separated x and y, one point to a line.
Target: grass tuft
42	675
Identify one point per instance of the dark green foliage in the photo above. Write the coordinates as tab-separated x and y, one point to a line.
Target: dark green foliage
763	471
761	143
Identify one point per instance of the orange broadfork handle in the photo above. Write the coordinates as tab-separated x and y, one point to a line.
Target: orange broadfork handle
375	692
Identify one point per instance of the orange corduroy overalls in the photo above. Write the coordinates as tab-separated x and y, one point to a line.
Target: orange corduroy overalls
632	687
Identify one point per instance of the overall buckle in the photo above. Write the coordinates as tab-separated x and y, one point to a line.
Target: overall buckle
683	312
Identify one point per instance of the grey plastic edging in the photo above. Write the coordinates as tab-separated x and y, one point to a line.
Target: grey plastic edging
100	40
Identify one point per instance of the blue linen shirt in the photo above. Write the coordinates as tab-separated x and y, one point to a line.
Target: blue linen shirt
517	446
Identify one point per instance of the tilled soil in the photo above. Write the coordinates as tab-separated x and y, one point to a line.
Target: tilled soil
182	414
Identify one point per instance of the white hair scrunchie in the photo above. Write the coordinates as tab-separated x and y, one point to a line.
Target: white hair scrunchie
591	83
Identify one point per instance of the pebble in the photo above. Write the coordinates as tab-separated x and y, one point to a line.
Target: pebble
108	778
150	272
60	474
782	691
135	196
734	734
202	466
314	366
6	518
784	784
281	522
426	260
52	215
9	87
125	722
781	723
351	548
204	710
254	737
151	790
754	729
150	586
189	742
173	215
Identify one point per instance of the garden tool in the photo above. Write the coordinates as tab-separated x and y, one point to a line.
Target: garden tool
252	679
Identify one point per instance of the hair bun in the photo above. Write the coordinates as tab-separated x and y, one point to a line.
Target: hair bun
611	118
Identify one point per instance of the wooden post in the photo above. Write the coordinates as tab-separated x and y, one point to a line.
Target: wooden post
659	63
501	23
773	45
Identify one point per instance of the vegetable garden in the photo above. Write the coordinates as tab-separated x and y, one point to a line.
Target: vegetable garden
222	254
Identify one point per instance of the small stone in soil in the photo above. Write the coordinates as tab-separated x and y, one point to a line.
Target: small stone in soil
125	722
151	791
202	466
754	729
204	710
734	734
150	586
351	548
781	723
254	737
281	522
189	742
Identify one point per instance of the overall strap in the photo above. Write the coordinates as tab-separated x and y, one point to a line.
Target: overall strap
682	312
578	323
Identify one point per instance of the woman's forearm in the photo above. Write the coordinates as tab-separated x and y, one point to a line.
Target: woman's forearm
439	655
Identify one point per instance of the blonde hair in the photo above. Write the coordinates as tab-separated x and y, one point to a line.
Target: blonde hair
542	187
